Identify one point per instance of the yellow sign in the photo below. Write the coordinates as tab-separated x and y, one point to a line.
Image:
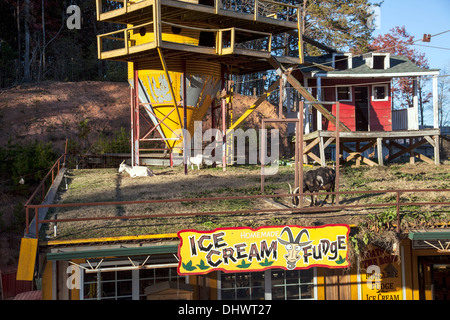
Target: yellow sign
249	250
27	259
381	277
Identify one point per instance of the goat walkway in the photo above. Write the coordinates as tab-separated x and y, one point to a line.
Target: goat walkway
48	200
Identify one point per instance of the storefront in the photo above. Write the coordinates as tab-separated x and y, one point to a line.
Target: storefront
246	264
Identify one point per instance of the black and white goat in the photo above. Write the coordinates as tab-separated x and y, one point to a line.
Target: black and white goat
323	178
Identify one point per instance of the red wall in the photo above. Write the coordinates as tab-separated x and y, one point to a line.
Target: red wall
380	116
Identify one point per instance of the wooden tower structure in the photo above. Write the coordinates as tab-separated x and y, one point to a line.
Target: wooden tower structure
180	52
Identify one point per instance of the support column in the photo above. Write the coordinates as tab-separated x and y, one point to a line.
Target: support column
224	133
380	151
415	125
319	98
185	142
435	102
437	158
135	118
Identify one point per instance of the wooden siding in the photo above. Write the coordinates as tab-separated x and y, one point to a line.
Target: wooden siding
380	115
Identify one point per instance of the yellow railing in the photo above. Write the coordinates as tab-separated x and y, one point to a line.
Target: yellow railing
126	40
258	8
225	40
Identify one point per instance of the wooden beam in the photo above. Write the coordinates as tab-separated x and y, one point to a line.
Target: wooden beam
358	151
254	106
296	84
405	150
169	82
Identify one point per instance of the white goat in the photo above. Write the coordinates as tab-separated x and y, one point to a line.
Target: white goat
197	160
136	171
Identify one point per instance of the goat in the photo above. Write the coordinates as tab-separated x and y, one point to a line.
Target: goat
136	171
292	246
197	160
327	179
322	178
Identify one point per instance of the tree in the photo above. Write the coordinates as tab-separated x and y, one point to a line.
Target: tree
342	24
399	42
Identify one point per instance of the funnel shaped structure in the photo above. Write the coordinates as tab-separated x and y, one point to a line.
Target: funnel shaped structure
202	83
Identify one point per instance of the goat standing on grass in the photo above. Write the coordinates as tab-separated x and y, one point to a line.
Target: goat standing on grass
323	178
136	171
197	160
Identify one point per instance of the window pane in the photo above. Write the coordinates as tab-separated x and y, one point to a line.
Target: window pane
307	291
258	293
306	276
292	277
278	293
292	284
343	93
380	93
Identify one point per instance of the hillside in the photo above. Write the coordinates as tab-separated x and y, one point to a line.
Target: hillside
52	112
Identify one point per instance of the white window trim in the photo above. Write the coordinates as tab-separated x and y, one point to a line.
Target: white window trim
338	56
386	87
351	93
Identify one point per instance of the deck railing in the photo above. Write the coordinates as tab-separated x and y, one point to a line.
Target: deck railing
257	8
119	43
397	204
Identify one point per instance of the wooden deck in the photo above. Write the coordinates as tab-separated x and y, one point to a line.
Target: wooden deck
228	32
365	140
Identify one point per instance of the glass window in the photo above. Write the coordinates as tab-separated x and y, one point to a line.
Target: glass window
280	285
126	284
114	285
344	93
242	286
292	284
149	277
380	93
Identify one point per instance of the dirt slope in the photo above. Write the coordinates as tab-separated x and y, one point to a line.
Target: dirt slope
52	111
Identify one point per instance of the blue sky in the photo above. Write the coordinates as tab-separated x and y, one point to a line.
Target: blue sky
419	17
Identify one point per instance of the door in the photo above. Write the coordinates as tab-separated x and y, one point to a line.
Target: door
362	108
434	278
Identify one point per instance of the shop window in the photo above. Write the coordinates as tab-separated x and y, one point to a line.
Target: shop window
292	285
270	285
149	277
344	93
125	284
380	93
114	285
242	286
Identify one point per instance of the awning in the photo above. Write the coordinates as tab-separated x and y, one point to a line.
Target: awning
114	252
439	240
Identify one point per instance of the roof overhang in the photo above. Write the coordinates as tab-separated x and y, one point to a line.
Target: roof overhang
439	240
120	251
375	75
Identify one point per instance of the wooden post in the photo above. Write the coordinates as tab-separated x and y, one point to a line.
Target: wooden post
380	151
319	98
338	151
299	144
280	103
300	35
437	159
185	142
435	103
224	133
135	118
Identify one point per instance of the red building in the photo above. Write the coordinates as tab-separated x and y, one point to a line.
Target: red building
362	84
